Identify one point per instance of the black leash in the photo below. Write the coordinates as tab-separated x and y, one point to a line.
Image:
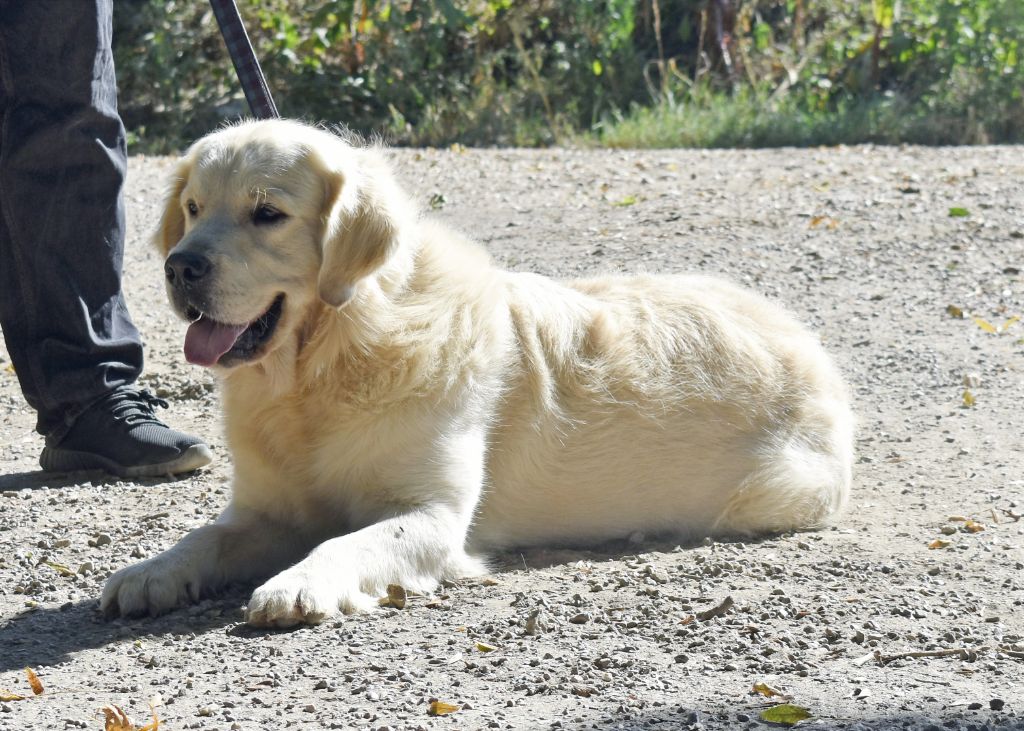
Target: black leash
250	75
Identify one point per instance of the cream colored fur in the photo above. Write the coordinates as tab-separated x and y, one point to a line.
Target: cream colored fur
419	406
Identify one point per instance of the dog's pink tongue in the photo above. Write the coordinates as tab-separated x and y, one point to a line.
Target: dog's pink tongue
206	340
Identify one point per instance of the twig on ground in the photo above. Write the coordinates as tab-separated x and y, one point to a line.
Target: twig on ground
964	653
718	611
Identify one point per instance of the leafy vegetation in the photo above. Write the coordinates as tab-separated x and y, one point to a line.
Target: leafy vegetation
611	72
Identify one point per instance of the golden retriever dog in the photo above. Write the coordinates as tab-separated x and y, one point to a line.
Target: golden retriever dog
396	406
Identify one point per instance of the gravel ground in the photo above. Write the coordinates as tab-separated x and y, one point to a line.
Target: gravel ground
909	613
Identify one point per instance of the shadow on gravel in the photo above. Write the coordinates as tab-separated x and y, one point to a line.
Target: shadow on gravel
734	719
57	480
544	558
53	635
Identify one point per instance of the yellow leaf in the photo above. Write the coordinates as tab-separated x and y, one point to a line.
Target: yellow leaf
1009	323
955	311
484	647
974	526
940	543
629	200
116	720
985	325
439	708
816	221
59	568
33	680
6	695
969	399
786	714
766	690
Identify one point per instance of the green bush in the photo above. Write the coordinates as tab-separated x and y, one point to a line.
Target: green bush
925	71
616	72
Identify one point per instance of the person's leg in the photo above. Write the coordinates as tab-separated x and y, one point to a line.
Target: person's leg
62	230
62	165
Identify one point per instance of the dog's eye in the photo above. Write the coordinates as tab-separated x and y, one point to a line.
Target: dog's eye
193	209
267	214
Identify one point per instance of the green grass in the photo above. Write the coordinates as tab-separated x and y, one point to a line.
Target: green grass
749	120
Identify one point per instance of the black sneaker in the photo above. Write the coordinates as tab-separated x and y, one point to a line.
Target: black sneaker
121	435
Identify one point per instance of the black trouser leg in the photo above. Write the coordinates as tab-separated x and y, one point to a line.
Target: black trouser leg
62	166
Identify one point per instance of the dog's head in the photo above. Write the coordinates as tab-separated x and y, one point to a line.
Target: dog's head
263	220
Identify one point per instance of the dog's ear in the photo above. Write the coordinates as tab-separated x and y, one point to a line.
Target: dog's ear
365	216
172	221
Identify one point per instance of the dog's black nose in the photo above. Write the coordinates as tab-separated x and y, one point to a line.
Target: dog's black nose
185	268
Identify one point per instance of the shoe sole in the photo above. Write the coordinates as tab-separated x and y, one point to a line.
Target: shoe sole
67	460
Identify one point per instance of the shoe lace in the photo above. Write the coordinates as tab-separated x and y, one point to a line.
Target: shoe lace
135	406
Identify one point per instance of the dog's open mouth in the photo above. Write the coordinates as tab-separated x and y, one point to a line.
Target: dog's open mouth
209	342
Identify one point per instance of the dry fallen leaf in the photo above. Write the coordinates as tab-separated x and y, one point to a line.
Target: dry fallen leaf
6	695
831	223
116	720
33	680
440	708
969	399
974	526
397	596
955	311
1009	323
155	726
940	543
484	647
767	691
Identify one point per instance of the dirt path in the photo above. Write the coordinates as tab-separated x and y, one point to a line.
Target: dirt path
859	241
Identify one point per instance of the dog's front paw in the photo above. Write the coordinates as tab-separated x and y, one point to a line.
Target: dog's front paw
151	587
299	597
